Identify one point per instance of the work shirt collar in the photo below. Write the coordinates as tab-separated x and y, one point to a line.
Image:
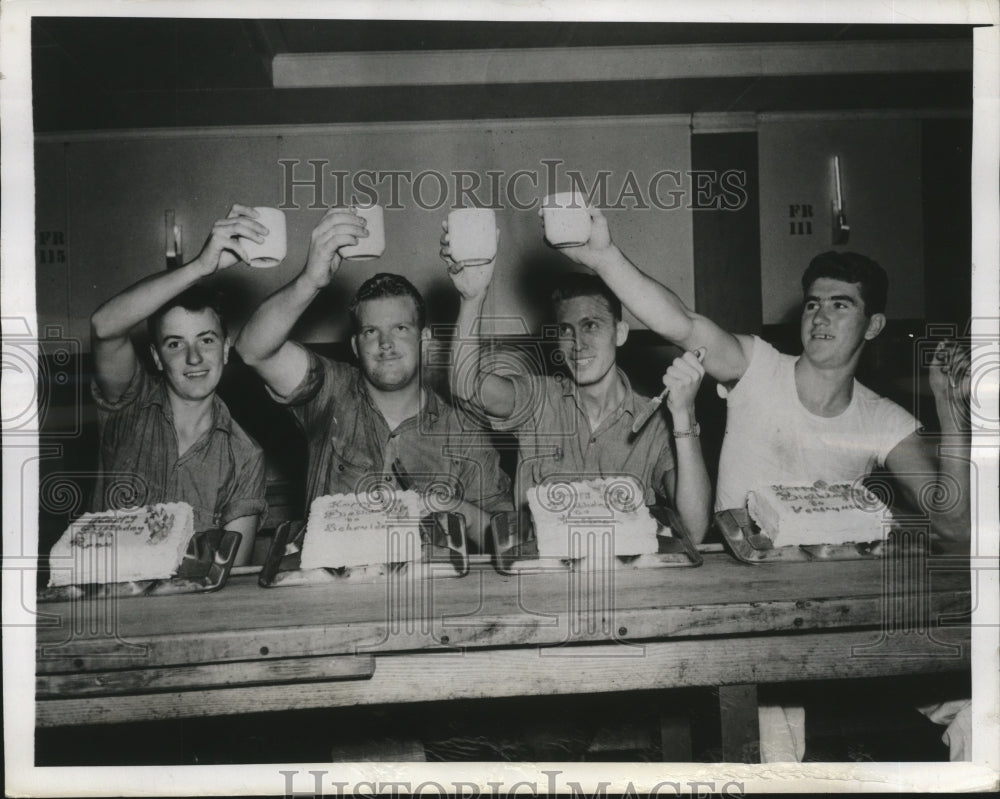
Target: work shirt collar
627	405
221	418
429	403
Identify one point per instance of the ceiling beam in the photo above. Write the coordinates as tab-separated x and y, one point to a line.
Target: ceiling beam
646	62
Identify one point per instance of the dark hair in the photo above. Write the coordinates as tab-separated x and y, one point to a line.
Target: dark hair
386	284
851	267
579	284
196	298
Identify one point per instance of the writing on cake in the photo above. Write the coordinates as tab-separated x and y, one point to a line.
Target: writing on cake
577	519
818	513
143	543
345	531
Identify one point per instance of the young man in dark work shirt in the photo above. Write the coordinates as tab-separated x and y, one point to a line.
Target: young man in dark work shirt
168	435
359	420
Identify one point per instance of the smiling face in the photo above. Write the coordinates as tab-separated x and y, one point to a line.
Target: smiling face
834	326
388	342
589	336
191	350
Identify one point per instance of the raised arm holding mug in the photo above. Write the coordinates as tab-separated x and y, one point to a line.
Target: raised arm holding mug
806	418
801	419
171	430
359	420
592	413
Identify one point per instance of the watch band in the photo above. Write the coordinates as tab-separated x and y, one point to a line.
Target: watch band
692	432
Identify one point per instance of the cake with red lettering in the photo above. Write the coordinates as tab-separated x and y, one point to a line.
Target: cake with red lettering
116	546
818	513
352	530
592	518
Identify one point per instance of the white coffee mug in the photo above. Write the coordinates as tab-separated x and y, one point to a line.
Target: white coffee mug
275	245
472	236
566	219
372	245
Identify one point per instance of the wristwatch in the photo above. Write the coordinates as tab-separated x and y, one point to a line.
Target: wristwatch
692	432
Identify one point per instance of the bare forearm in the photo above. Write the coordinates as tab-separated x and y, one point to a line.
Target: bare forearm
954	471
246	526
934	476
271	324
955	525
116	317
465	362
693	493
694	490
651	302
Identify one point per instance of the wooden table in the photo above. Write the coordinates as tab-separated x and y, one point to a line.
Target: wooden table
248	649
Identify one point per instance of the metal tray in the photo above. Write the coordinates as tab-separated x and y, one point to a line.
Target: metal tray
750	545
205	568
444	549
515	549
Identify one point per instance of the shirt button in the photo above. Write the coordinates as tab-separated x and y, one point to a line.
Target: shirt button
340	468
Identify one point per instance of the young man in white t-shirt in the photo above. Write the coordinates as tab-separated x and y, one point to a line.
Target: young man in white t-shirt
802	419
805	418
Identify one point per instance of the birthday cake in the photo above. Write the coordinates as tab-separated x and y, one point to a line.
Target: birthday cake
818	513
115	546
592	517
345	530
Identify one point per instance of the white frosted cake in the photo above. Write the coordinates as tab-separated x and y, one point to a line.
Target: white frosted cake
817	513
595	516
345	531
116	546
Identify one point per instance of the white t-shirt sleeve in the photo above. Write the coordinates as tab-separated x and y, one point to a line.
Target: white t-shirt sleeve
759	378
893	425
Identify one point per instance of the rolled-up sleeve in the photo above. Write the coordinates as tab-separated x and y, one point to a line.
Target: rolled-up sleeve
312	400
662	472
310	386
529	396
137	386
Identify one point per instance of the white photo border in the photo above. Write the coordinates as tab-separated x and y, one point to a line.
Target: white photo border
20	466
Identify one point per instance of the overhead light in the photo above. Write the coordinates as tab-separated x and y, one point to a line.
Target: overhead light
643	62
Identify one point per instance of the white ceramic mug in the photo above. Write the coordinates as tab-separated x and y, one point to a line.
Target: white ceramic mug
372	245
275	246
472	236
566	219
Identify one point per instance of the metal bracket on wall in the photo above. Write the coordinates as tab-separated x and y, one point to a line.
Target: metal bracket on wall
174	240
841	230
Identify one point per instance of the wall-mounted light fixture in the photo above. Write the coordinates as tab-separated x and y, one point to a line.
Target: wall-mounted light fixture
174	240
841	230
